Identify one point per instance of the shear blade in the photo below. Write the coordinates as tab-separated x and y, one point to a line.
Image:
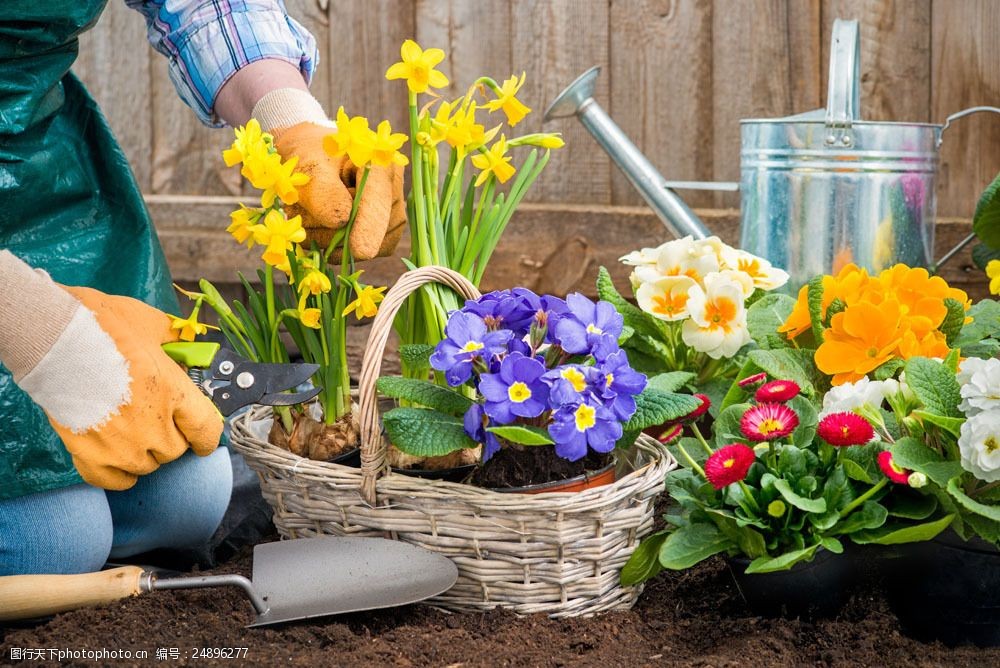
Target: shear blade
285	399
273	378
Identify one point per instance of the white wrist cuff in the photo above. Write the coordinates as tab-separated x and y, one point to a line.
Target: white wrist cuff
285	107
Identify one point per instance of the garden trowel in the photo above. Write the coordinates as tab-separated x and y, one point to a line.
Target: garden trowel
292	579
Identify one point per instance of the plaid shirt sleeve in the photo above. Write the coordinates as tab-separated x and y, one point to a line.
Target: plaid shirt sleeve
207	41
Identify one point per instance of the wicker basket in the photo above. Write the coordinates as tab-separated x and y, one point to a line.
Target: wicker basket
557	553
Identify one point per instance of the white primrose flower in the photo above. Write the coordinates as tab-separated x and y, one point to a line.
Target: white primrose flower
680	257
764	275
967	367
725	254
743	279
851	397
898	389
979	445
981	389
666	298
718	322
640	257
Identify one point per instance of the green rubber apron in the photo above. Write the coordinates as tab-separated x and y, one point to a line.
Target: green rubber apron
68	204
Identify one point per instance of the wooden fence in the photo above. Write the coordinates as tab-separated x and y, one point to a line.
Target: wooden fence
677	75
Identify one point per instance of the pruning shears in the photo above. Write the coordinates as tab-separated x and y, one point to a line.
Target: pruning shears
232	382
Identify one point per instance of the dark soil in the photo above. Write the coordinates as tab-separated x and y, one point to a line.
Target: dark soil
521	466
695	618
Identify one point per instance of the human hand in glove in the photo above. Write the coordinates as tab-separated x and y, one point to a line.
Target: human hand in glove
298	124
93	363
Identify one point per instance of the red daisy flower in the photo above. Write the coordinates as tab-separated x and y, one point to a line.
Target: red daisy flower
891	471
753	380
777	390
768	422
729	464
843	429
671	435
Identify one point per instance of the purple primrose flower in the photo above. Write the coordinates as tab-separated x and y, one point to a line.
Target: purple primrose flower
571	383
589	328
466	339
475	426
622	383
586	423
516	391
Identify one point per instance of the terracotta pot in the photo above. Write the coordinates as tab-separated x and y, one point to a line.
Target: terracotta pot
604	476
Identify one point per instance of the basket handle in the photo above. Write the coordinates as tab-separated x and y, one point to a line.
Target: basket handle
373	446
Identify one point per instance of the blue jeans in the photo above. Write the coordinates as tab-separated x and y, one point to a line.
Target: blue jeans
76	529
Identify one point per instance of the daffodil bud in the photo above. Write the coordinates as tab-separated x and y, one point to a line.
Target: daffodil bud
776	508
916	480
424	138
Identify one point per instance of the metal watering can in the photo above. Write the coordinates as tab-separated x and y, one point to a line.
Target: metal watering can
819	189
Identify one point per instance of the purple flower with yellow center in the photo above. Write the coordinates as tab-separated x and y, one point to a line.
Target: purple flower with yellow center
622	383
587	423
588	327
475	422
516	391
570	383
466	338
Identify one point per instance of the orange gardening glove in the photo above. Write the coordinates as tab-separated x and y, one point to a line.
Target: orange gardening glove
95	366
298	125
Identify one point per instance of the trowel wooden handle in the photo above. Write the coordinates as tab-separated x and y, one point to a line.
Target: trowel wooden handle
28	596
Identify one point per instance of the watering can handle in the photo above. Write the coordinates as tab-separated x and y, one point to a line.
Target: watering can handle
962	114
843	98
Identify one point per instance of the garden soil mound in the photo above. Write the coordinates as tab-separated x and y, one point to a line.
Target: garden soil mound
694	618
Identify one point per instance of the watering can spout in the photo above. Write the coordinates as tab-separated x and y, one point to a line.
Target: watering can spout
578	100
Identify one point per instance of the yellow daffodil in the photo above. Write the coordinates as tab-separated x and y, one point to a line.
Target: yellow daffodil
993	272
189	327
278	233
417	67
464	134
494	161
541	139
385	146
438	125
513	108
310	317
315	282
366	305
282	182
250	139
243	221
352	138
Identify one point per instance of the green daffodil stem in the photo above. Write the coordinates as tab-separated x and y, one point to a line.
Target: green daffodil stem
864	497
701	439
691	462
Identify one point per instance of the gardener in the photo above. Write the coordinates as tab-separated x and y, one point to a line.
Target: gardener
88	401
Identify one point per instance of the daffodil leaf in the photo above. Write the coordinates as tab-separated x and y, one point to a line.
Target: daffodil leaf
935	386
645	560
654	407
764	318
522	434
782	562
896	533
986	219
424	393
800	502
691	544
423	432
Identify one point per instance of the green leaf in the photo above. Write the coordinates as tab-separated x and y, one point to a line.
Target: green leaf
982	254
423	432
832	544
670	382
861	462
727	425
522	434
691	544
951	326
764	318
633	316
856	472
985	323
416	355
952	425
805	432
935	386
425	393
800	502
654	407
911	505
986	219
787	364
814	297
645	560
955	489
782	562
889	369
912	454
871	515
896	533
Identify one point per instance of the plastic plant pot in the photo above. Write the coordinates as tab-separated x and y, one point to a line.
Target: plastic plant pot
456	474
813	589
948	589
604	476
